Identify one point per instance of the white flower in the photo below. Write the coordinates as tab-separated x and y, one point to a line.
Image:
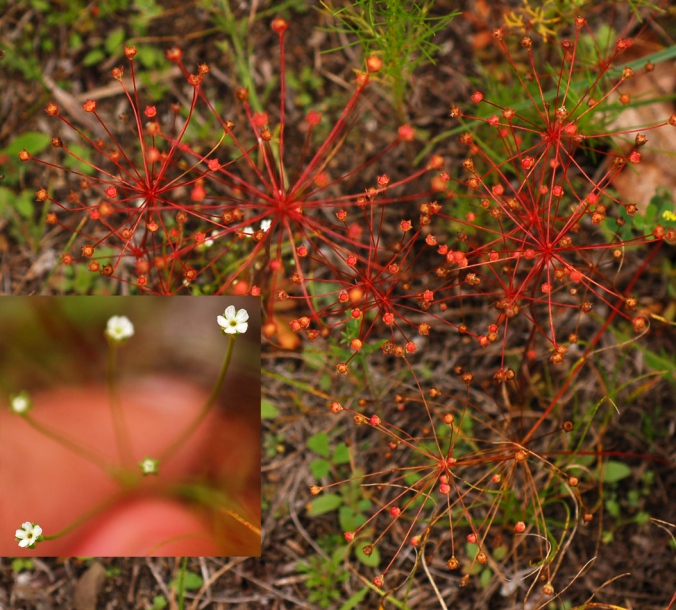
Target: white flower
21	403
28	535
119	328
265	224
233	322
148	466
248	231
210	240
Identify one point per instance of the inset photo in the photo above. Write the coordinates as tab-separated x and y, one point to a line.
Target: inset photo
130	426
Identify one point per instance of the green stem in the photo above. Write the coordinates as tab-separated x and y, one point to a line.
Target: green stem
181	578
120	426
205	409
88	515
91	455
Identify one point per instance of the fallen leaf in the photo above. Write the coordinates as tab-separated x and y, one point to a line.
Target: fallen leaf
88	587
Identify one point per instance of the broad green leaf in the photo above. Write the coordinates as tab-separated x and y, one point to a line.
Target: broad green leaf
114	40
324	504
641	518
500	552
485	578
92	58
159	602
355	600
341	454
319	443
79	162
613	508
150	57
75	41
190	581
320	468
22	203
349	519
373	560
33	141
268	410
614	471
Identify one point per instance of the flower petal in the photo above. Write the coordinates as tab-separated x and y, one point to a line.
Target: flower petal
242	315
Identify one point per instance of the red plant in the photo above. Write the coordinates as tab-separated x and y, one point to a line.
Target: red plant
373	284
541	235
297	213
460	475
538	238
177	211
133	198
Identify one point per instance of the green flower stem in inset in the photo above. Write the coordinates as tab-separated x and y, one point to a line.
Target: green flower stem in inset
185	435
91	455
215	500
120	426
105	505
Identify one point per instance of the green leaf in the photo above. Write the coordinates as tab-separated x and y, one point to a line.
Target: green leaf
364	504
268	410
320	468
485	578
159	602
350	519
75	41
114	40
650	213
33	141
75	162
22	203
500	552
315	361
150	57
324	504
190	581
354	601
613	508
19	565
341	454
614	471
642	518
92	58
319	443
373	560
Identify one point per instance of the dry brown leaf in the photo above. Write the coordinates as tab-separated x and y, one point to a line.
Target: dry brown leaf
637	184
88	587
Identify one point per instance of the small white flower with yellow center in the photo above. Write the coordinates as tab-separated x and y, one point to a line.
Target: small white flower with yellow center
148	466
20	403
119	329
29	535
233	321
